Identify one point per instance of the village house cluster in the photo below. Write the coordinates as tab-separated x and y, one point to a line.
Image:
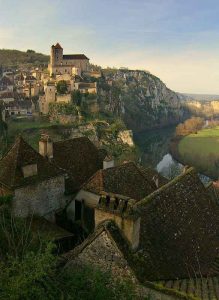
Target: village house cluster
27	92
142	226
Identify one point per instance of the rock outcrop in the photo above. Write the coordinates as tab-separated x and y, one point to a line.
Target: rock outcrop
141	99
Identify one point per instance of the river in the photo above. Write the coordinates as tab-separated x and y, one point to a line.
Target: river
154	147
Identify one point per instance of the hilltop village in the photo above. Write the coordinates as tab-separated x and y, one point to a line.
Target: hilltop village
158	233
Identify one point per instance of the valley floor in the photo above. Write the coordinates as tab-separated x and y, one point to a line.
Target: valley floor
201	150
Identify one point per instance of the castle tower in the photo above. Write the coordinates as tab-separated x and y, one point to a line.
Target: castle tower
56	57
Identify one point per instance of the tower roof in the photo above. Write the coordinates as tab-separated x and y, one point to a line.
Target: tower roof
57	46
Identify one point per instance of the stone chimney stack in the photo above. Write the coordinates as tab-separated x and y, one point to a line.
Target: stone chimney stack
46	146
108	162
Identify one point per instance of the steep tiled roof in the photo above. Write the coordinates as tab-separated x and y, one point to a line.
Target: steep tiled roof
79	157
126	179
102	249
21	104
152	175
49	230
179	235
75	56
21	154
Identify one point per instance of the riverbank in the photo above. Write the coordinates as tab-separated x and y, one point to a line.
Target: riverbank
200	150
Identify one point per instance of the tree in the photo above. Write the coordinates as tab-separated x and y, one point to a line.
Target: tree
76	97
62	87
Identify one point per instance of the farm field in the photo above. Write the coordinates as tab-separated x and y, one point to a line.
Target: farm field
202	151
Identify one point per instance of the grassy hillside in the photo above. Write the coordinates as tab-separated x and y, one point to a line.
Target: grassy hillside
202	151
14	58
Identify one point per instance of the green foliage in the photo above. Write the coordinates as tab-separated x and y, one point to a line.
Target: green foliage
88	283
5	199
24	278
30	51
62	108
76	97
62	87
116	126
30	270
15	58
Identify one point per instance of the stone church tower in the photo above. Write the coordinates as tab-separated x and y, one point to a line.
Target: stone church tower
56	55
67	64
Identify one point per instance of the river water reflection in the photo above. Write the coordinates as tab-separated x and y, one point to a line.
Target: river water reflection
154	146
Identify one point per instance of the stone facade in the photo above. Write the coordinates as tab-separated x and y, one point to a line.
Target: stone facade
67	64
49	97
130	227
37	199
66	98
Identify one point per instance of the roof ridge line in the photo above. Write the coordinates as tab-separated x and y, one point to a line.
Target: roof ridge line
83	185
141	172
165	186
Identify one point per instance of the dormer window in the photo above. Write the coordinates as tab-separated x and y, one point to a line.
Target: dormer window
29	170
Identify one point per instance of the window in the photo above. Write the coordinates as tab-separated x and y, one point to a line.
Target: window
29	170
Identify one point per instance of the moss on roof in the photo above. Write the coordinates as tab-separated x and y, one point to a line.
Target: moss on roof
79	157
126	179
179	230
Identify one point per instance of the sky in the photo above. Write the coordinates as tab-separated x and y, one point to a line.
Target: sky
176	40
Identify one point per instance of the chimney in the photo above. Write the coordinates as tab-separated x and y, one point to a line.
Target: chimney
108	162
121	210
46	146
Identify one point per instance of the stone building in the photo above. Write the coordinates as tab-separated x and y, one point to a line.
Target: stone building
73	64
36	184
86	87
169	238
127	180
6	84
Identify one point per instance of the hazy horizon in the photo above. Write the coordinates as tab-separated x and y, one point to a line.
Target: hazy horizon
178	42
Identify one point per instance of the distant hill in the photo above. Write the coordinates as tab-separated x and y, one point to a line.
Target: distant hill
199	97
14	58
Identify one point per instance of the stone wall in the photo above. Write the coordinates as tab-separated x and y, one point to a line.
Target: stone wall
66	98
41	199
129	227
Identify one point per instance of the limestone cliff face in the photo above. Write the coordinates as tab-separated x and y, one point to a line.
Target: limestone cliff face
141	99
209	109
